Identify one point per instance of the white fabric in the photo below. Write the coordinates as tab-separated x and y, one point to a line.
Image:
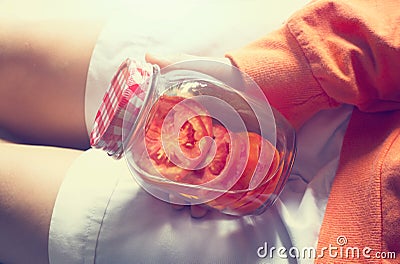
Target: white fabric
102	216
205	28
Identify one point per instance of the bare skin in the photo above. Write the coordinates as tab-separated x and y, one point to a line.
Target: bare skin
43	71
30	179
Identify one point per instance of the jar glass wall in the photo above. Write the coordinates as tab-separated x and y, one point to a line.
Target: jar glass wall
206	134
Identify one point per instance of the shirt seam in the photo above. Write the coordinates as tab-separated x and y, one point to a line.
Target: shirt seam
331	102
103	217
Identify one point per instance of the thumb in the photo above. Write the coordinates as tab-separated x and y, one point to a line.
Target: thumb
166	60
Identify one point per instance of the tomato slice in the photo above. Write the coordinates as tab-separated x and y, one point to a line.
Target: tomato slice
194	129
256	198
252	161
240	195
173	154
221	158
218	163
262	161
174	141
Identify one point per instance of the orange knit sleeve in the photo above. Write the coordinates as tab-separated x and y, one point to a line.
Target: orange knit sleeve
328	53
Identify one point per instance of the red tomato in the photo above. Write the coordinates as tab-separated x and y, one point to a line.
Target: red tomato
174	141
254	199
173	153
222	154
218	163
239	198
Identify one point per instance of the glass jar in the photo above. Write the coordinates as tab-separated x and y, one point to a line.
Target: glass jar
200	131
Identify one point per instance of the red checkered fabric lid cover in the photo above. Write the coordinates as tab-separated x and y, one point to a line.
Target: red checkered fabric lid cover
123	100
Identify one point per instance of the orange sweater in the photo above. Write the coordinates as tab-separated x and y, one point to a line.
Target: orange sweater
327	54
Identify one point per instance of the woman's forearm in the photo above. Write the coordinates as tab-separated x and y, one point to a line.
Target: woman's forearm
329	52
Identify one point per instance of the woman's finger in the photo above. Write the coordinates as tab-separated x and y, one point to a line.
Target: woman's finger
198	211
166	60
176	203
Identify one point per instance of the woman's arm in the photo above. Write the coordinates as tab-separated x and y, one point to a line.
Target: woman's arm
328	53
